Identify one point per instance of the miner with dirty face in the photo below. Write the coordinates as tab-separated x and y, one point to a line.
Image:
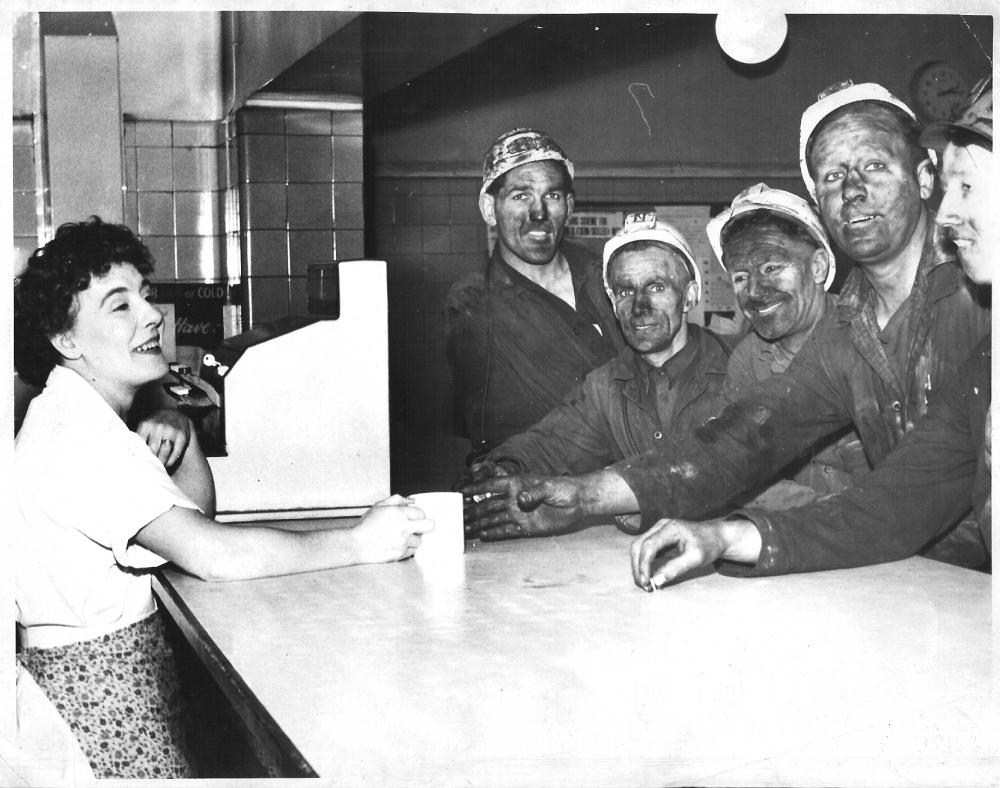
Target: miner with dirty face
781	265
905	320
527	326
936	471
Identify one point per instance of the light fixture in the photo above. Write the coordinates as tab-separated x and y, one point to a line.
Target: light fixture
751	35
316	101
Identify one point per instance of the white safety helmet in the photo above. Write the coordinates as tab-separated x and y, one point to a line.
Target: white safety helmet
832	99
761	197
646	227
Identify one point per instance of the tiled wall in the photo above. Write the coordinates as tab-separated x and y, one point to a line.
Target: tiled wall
286	191
430	232
300	180
174	189
174	178
25	200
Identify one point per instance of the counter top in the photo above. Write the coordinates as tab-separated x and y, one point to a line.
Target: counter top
538	662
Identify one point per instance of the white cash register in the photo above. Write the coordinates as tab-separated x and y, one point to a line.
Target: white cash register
295	414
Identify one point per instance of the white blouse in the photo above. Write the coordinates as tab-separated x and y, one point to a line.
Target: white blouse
84	486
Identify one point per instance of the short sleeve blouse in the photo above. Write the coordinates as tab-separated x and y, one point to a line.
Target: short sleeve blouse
85	486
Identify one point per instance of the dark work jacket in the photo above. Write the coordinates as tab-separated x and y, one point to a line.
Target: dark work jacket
840	376
607	418
927	482
527	347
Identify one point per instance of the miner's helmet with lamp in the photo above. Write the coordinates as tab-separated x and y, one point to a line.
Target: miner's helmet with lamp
647	227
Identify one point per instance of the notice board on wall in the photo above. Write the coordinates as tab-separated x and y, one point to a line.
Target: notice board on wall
691	220
594	227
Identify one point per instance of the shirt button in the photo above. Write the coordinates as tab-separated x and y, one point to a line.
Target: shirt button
657	435
897	406
827	469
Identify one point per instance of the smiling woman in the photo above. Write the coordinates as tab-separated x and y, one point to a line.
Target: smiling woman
85	483
97	510
115	339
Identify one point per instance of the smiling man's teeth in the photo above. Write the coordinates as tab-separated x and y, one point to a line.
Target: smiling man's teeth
858	219
152	345
767	309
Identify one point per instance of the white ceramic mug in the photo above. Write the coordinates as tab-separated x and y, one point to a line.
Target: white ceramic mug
448	536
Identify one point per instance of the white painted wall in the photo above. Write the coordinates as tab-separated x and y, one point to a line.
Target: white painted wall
171	65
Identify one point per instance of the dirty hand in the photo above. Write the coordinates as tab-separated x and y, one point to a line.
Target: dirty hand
506	507
167	433
688	546
390	531
477	472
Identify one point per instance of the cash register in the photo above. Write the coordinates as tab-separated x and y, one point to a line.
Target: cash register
294	414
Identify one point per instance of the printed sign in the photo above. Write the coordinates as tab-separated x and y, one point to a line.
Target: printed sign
599	225
691	221
198	309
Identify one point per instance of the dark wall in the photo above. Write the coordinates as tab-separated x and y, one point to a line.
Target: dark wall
595	90
650	110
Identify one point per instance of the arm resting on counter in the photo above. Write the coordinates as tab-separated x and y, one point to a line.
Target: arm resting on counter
918	492
389	531
928	482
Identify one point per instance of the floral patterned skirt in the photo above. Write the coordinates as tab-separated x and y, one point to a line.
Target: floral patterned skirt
120	696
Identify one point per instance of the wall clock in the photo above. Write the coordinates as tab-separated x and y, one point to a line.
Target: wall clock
938	91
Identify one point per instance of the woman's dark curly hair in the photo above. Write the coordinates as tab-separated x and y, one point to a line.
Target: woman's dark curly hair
45	292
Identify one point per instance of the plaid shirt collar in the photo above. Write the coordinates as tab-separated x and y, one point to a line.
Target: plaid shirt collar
937	276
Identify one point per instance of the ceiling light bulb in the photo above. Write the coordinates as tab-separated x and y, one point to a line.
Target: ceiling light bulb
751	36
